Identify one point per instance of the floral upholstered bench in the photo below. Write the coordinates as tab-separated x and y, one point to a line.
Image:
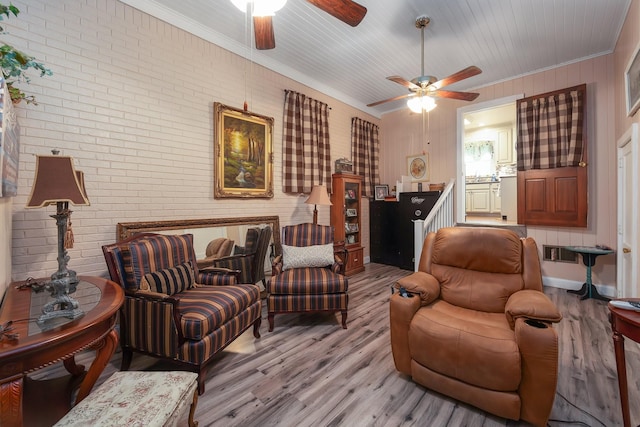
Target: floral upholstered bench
136	398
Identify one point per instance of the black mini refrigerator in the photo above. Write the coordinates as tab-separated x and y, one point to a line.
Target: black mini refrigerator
413	205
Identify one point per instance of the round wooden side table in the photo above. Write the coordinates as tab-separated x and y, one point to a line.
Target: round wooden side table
25	401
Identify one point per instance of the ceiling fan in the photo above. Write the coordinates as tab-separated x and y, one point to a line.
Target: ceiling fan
347	11
424	88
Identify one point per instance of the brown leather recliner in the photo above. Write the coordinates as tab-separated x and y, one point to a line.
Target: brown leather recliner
475	325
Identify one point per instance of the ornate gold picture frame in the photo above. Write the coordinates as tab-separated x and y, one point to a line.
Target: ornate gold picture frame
243	153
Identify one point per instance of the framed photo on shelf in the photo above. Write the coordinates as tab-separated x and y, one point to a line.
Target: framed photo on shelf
381	191
242	154
632	82
350	194
351	239
352	212
353	228
418	167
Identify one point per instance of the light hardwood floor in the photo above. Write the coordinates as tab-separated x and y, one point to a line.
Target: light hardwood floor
311	372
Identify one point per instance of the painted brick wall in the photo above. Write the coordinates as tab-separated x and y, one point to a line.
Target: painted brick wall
131	99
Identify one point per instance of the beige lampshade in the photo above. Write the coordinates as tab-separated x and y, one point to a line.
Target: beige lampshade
57	180
319	196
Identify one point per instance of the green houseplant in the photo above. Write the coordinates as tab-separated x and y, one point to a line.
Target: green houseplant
15	63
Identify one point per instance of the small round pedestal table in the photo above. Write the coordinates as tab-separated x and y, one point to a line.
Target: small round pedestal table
589	255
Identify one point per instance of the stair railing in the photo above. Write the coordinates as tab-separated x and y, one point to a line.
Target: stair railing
440	216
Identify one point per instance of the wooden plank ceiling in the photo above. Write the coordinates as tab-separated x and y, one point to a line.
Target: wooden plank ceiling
505	38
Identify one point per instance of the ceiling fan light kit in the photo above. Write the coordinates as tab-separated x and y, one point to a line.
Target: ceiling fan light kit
260	7
424	88
417	104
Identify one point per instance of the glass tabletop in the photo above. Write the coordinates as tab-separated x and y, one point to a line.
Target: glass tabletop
87	294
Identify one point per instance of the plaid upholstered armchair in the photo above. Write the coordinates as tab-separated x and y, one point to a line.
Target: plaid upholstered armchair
172	310
249	259
308	275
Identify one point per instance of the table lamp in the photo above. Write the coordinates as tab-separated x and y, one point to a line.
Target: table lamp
57	182
318	196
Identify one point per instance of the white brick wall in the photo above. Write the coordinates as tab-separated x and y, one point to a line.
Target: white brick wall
131	99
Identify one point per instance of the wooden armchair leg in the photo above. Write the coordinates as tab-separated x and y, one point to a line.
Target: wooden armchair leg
256	327
344	319
270	317
127	356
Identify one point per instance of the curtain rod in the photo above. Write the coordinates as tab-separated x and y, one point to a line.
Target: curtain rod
293	91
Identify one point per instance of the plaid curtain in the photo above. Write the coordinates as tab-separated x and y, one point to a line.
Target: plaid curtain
550	130
306	150
365	147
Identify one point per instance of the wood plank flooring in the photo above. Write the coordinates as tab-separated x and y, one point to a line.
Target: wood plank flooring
311	372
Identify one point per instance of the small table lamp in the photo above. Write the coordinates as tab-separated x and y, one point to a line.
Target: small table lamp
318	196
57	181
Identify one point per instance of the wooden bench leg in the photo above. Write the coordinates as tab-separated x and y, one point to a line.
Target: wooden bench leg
344	319
192	411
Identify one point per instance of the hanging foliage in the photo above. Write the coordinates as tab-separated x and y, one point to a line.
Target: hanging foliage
15	63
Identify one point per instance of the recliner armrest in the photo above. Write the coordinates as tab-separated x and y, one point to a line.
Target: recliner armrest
532	305
423	284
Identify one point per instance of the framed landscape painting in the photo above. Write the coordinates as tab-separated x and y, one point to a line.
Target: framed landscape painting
243	153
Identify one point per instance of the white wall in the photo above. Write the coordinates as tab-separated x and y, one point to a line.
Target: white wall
131	99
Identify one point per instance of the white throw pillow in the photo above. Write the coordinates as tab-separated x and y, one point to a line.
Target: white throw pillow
307	256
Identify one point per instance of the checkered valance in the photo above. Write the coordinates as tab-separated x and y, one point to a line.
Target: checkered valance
365	150
306	150
550	129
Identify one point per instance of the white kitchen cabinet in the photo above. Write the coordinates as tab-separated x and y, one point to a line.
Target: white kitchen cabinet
478	197
504	150
495	198
483	197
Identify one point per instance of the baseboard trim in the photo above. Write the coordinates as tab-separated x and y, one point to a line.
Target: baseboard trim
555	282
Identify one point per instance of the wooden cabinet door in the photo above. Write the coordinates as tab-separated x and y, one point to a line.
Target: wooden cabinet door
556	197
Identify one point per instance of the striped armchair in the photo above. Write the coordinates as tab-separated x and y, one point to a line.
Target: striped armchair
307	276
172	310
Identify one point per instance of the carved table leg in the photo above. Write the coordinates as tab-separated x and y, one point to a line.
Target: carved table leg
11	401
105	349
621	367
71	366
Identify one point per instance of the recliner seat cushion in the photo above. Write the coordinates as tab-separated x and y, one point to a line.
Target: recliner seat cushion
206	308
471	346
308	281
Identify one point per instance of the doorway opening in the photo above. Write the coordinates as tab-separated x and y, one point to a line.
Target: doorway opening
487	184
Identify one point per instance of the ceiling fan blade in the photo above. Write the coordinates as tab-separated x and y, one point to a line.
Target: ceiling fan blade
456	77
263	31
463	96
347	11
404	82
395	98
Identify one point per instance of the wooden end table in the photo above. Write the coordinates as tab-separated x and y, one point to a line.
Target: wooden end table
24	401
624	323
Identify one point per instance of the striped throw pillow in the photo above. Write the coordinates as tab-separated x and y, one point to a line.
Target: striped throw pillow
169	281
